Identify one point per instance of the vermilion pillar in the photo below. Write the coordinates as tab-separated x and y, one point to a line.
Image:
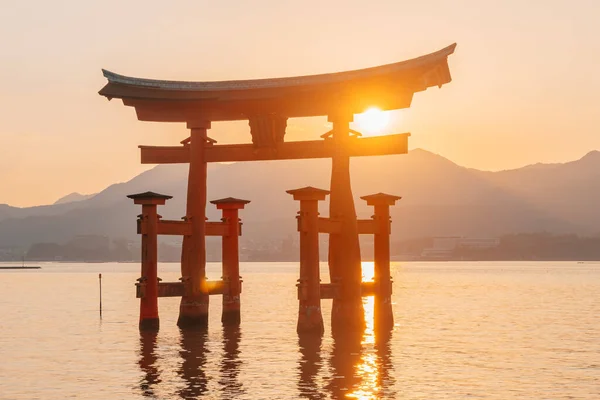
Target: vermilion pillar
383	315
149	279
310	318
193	310
344	249
231	259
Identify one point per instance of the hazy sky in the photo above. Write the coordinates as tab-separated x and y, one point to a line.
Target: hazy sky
526	77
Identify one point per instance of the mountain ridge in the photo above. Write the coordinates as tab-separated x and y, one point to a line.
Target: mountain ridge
73	197
440	197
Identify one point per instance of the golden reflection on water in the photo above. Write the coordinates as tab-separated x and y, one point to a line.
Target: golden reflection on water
367	369
361	361
373	367
368	271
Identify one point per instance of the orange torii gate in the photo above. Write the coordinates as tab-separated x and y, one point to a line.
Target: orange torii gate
267	104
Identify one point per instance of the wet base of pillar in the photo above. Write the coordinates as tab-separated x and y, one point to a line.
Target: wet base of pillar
347	315
192	321
231	310
310	320
231	317
149	324
383	317
193	312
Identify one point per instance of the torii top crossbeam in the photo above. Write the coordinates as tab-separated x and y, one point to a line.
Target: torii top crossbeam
388	87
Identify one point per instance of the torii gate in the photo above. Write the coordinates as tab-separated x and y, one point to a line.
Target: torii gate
267	104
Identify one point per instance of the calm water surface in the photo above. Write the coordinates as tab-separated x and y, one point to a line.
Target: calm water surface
463	331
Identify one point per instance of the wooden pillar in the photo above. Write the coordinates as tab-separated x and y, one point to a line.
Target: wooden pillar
383	315
231	259
149	279
310	318
193	310
344	250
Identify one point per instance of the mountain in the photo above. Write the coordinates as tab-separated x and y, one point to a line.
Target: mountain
568	191
70	198
439	198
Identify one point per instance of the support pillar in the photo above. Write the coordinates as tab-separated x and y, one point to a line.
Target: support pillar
149	279
345	269
231	259
383	315
193	310
310	318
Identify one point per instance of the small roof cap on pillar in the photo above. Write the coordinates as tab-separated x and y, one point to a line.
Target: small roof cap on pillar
308	193
149	198
381	199
230	203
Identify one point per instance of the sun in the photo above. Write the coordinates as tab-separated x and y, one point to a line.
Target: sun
372	121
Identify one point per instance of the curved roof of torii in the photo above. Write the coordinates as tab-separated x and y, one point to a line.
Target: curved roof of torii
388	87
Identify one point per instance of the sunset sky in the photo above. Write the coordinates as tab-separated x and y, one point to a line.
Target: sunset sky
526	77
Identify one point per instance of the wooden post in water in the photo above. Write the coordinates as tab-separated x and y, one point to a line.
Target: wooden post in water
344	250
100	284
383	315
148	282
193	309
231	259
310	318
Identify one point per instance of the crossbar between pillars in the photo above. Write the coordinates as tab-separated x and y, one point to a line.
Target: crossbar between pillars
177	289
329	225
184	228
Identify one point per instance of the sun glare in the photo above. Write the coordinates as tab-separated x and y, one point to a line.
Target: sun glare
372	121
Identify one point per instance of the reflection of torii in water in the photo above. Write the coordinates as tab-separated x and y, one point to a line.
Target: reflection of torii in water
360	363
192	369
267	104
147	363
